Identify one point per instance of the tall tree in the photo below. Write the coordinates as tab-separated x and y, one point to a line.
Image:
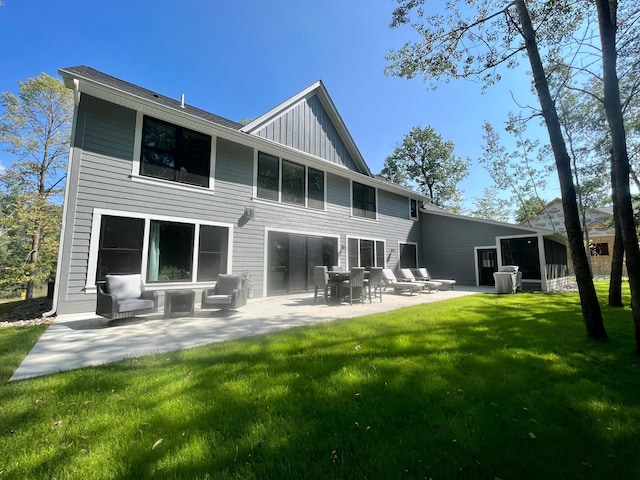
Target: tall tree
472	44
35	127
517	172
607	13
491	206
425	161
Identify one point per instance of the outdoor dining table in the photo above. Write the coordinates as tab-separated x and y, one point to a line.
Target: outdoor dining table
336	277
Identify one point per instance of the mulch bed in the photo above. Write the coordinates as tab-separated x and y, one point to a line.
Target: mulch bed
27	313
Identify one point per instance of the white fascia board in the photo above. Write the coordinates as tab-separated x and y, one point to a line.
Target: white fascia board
538	231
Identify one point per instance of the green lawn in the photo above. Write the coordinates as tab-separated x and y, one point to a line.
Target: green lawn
479	387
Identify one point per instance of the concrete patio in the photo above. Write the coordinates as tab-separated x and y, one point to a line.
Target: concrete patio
73	342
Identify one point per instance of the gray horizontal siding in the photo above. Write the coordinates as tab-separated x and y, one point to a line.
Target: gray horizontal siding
448	245
101	178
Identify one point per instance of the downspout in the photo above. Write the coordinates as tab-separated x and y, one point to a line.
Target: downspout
65	207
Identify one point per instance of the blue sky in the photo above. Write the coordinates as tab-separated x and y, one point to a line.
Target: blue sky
239	59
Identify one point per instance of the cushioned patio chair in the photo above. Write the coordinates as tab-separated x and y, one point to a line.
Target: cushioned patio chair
427	285
123	296
399	287
230	293
423	274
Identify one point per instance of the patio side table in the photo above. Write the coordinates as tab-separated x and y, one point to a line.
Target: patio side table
179	303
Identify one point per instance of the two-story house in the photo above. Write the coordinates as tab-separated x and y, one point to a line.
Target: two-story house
161	188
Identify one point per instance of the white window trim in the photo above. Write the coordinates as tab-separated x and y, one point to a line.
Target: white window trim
94	245
374	240
137	151
417	209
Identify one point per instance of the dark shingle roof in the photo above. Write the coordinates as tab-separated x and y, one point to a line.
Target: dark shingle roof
102	78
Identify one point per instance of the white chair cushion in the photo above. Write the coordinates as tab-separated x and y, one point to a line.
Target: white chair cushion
124	287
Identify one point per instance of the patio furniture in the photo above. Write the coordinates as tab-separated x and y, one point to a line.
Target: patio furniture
230	293
375	282
428	285
179	303
355	283
399	287
123	296
321	282
423	274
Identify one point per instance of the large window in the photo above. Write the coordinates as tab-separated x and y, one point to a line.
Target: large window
212	256
289	182
170	252
364	200
292	183
365	253
176	251
174	153
268	176
120	246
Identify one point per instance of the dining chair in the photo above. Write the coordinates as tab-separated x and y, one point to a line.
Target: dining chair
321	282
375	282
355	284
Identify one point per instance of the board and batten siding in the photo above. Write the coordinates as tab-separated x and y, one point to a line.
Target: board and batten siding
101	178
452	255
308	128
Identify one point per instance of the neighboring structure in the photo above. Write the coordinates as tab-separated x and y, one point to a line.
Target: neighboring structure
157	187
600	231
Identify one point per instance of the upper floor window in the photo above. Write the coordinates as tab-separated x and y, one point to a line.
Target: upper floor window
174	153
413	208
289	182
363	200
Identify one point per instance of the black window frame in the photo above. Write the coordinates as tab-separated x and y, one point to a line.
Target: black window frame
413	208
363	201
273	182
186	161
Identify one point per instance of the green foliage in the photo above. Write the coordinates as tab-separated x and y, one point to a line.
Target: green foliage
35	128
489	386
426	162
528	209
491	207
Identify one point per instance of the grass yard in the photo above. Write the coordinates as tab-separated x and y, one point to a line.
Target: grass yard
480	387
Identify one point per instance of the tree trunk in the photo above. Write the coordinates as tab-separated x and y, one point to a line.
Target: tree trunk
620	160
591	312
617	257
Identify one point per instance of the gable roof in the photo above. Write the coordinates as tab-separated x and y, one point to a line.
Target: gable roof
317	90
95	76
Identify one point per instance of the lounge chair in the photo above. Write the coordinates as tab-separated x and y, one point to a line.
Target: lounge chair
399	287
423	274
428	285
123	296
